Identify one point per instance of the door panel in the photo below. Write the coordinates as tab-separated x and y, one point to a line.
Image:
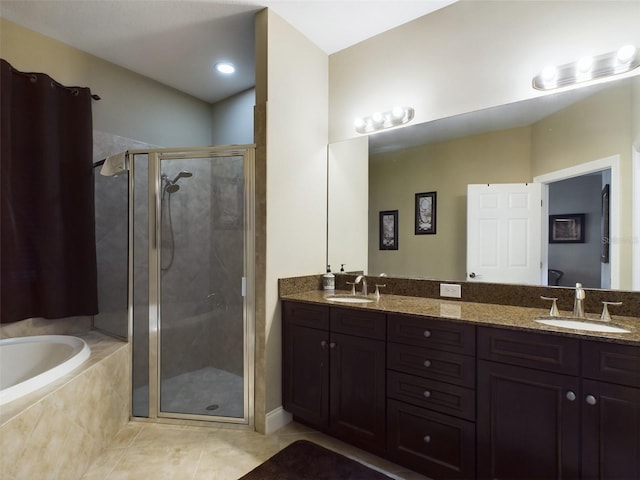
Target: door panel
503	233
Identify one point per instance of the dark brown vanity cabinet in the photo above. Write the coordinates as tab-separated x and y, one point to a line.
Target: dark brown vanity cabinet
431	396
543	411
610	411
334	371
455	400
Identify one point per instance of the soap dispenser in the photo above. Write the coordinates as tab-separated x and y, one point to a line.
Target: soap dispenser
329	281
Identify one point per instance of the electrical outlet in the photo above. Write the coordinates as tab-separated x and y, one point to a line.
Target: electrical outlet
450	290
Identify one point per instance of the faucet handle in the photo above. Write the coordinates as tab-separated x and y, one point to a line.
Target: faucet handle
353	287
554	306
605	317
378	287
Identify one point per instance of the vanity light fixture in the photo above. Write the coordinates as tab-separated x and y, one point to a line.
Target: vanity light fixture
381	120
588	68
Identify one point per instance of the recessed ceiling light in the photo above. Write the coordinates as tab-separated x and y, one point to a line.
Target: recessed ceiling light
226	68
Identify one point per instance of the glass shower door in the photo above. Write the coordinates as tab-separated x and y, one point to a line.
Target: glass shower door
200	337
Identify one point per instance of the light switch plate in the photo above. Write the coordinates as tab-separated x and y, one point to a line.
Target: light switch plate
450	290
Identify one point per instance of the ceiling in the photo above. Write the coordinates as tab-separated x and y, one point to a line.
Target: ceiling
178	42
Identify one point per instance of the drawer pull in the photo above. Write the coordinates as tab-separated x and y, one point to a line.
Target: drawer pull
427	439
427	394
332	345
427	333
427	363
591	400
571	396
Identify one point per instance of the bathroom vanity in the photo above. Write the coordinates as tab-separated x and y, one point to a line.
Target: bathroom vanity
465	390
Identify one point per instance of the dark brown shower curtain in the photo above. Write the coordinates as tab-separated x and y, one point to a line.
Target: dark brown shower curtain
47	229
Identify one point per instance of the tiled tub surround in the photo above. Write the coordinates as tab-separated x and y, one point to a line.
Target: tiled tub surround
58	431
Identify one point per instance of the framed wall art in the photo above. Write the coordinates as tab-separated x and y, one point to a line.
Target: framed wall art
425	213
389	230
567	228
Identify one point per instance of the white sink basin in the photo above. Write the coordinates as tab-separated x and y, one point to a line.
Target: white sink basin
349	299
586	325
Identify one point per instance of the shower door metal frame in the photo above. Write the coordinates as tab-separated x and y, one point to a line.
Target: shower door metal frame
247	152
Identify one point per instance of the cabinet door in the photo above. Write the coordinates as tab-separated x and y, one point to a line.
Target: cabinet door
611	431
305	370
357	406
528	423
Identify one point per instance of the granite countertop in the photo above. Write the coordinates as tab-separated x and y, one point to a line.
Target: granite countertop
477	313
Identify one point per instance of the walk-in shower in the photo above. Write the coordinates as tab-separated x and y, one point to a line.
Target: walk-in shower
191	255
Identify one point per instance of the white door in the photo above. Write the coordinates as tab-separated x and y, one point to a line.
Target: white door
503	233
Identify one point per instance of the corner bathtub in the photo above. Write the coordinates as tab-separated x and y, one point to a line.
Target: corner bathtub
30	363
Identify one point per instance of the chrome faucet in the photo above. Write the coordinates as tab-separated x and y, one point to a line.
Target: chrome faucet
364	283
578	302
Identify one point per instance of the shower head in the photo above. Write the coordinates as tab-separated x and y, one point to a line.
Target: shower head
182	174
172	186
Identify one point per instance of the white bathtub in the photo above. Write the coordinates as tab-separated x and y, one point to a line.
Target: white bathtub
30	363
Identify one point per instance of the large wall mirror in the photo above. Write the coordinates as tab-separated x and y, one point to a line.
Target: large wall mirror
534	139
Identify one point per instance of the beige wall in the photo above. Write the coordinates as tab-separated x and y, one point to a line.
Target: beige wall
447	168
292	94
470	55
131	105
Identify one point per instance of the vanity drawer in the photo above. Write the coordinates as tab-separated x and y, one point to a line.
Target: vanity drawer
362	323
611	363
306	315
439	396
553	353
434	364
437	445
428	332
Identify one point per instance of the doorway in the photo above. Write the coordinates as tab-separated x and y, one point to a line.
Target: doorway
608	170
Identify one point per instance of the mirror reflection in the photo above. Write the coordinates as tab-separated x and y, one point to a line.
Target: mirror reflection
537	139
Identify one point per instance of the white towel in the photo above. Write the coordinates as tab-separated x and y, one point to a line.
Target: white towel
114	165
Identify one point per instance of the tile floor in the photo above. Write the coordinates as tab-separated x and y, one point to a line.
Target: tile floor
156	451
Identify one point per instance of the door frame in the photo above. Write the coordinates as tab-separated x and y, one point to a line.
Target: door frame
609	163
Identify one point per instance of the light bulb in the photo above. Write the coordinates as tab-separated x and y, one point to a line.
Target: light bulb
397	112
377	117
226	68
585	64
549	73
626	54
359	122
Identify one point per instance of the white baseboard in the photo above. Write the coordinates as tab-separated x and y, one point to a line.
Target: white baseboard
276	419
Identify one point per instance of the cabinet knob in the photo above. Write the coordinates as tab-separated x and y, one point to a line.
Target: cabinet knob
427	439
332	345
323	343
571	396
591	400
427	394
427	363
427	333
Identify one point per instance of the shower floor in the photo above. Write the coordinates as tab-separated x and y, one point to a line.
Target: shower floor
193	392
